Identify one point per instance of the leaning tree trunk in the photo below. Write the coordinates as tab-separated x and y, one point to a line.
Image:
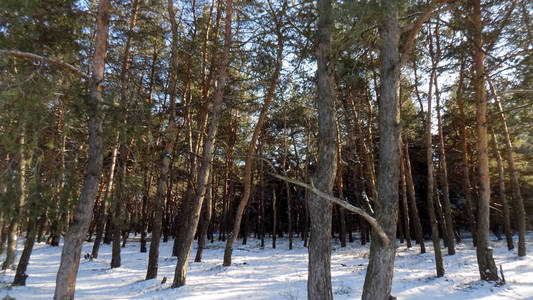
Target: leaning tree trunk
252	148
70	255
501	194
209	145
21	276
378	280
518	202
319	270
166	155
487	267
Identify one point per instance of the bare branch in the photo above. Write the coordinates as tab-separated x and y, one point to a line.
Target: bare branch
52	61
344	204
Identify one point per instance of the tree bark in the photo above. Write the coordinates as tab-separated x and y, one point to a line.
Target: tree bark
319	270
378	280
70	255
487	267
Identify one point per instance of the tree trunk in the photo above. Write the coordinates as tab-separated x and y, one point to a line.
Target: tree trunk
412	199
466	169
501	194
450	232
166	155
378	280
340	187
206	219
274	219
101	217
209	144
252	148
14	224
487	267
20	276
70	255
430	186
405	201
319	270
518	202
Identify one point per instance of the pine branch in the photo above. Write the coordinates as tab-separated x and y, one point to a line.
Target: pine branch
52	61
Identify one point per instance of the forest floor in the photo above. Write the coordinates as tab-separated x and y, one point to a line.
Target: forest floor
269	273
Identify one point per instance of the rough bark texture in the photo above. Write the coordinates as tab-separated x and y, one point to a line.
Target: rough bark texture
319	273
518	202
205	164
70	255
487	267
252	149
378	280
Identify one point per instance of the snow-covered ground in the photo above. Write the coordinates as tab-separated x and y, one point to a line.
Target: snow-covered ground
273	273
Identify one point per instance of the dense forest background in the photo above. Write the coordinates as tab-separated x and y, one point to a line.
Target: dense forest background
205	106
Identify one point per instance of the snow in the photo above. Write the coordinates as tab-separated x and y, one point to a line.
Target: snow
269	273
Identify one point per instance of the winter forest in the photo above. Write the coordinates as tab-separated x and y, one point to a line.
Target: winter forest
267	149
